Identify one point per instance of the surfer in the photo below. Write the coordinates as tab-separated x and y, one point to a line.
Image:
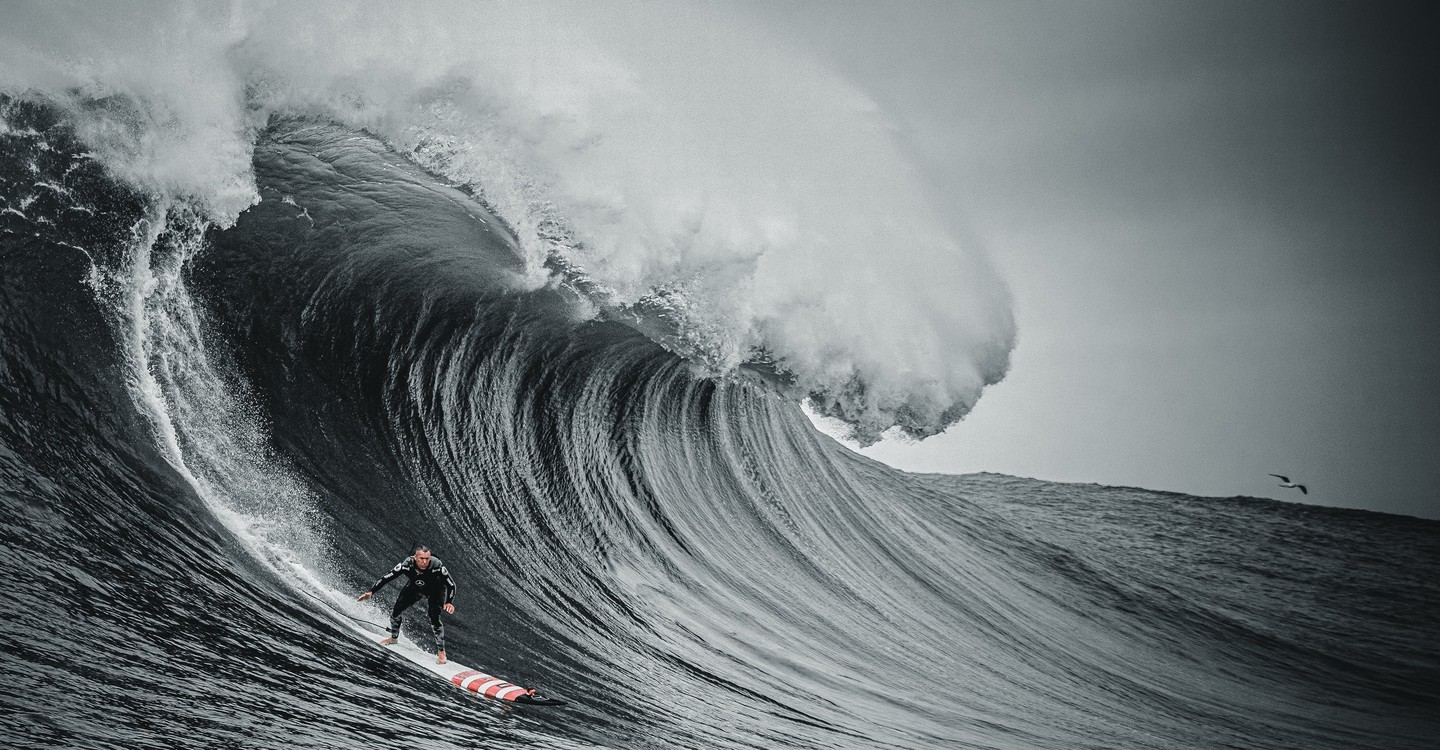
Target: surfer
427	578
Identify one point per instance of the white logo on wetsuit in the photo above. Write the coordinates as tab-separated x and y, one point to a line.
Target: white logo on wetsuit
419	581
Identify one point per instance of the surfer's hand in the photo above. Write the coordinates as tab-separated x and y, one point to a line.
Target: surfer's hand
449	609
363	596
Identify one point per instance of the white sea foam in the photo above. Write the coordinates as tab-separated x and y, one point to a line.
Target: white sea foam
202	423
670	151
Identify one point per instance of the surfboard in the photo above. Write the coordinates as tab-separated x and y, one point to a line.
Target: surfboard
461	676
466	678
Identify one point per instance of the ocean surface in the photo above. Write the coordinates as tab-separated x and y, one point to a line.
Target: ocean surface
213	436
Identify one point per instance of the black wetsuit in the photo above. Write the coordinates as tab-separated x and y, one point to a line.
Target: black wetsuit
433	582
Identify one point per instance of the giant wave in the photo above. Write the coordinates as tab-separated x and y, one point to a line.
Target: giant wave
236	387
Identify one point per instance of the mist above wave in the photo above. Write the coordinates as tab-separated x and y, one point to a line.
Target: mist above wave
675	154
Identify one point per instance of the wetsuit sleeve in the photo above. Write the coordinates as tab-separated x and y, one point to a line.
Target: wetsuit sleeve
449	584
395	571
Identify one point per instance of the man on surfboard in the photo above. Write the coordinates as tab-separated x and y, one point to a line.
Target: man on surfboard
427	578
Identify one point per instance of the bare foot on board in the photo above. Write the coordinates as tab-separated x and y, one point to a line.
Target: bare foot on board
388	641
440	658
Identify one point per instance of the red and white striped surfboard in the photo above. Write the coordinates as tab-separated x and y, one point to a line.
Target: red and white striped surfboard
467	678
480	683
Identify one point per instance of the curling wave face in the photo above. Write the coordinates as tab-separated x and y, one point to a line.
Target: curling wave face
757	200
213	434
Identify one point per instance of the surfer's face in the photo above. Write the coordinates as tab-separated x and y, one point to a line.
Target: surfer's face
422	560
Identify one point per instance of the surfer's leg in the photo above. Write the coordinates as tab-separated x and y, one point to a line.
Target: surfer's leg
436	624
402	603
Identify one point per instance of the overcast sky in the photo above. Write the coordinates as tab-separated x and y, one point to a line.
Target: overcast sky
1219	220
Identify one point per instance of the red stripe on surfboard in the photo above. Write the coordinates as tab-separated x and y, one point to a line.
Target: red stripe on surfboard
480	679
460	677
511	693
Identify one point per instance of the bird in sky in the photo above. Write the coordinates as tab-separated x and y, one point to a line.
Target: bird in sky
1285	482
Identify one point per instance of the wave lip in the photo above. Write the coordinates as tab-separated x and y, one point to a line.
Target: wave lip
761	199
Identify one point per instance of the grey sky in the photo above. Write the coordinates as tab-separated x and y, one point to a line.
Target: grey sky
1220	222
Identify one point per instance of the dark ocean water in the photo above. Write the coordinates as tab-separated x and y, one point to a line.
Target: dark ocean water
212	438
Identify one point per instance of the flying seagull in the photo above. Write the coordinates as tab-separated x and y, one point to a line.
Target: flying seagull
1285	482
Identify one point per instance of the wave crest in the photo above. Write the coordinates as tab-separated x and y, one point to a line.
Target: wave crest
759	198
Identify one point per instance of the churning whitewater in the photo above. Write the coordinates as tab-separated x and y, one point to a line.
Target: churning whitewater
272	312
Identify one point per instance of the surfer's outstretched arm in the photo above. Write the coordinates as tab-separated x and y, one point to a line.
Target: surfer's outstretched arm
395	571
